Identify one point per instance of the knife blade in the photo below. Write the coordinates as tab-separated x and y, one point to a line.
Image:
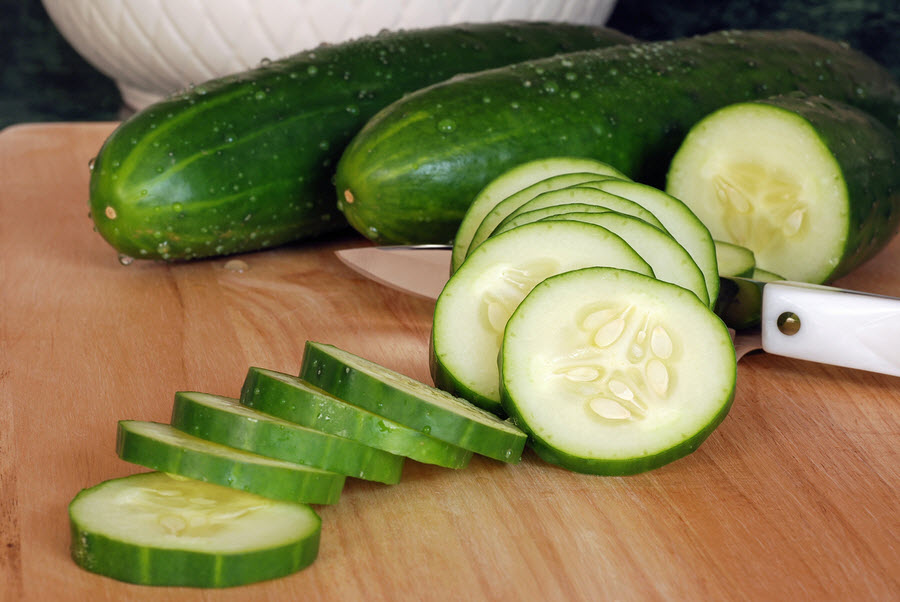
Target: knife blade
817	323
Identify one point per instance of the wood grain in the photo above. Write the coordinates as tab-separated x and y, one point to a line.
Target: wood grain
793	497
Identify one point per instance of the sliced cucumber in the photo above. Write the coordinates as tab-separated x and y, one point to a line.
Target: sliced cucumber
509	204
811	186
528	217
298	401
165	448
514	180
410	402
669	260
224	420
476	302
734	260
679	221
159	529
612	372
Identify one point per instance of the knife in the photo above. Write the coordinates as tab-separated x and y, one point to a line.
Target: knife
817	323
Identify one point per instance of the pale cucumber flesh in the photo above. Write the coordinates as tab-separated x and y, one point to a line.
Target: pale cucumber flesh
613	372
471	312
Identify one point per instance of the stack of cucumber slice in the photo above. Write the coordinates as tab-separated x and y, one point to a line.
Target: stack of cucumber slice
229	500
582	309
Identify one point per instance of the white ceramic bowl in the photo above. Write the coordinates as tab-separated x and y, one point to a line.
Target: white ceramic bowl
154	47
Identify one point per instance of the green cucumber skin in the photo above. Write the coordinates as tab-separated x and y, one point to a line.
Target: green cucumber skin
284	442
150	566
355	386
310	406
868	154
245	162
416	166
272	482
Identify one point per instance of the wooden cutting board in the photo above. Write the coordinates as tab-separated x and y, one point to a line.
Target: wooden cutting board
794	497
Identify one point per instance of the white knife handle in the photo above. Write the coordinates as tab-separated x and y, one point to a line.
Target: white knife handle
833	326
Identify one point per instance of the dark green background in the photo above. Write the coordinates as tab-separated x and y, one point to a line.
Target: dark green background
43	79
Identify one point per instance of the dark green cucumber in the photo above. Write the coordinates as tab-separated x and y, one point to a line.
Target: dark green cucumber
809	185
245	162
163	447
298	401
158	529
410	402
224	420
428	154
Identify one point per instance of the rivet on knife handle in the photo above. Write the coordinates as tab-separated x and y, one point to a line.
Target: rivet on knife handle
832	326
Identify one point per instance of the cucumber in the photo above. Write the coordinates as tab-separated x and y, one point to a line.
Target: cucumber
810	185
159	529
224	420
611	372
410	402
668	260
471	311
734	260
577	194
501	210
629	106
679	221
163	447
296	400
245	162
514	181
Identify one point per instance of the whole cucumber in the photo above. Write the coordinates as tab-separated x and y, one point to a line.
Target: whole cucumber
246	162
410	174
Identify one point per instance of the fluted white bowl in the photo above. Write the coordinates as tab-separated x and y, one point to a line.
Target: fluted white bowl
151	48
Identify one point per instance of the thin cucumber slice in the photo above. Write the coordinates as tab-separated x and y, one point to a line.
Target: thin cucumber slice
165	448
512	202
612	372
582	195
679	221
224	420
298	401
514	180
543	213
159	529
410	402
471	312
669	260
734	260
808	184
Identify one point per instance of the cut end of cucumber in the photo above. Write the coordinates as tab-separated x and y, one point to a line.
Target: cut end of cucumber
160	529
613	372
759	176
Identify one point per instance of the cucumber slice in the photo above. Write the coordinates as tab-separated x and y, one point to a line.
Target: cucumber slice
514	180
679	221
472	310
297	401
612	372
159	529
582	195
165	448
410	402
509	204
809	185
224	420
529	217
669	260
734	260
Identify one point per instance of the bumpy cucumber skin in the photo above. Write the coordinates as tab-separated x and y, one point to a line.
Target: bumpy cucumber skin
166	567
321	368
308	405
285	442
245	162
273	482
868	154
416	166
